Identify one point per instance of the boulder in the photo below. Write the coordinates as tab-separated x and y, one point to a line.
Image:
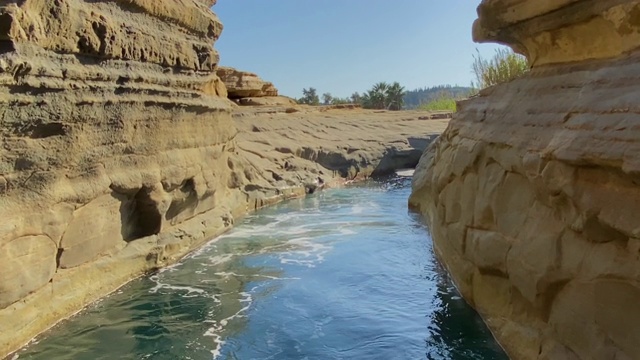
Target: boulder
242	84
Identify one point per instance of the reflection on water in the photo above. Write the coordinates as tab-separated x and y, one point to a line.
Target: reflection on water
344	274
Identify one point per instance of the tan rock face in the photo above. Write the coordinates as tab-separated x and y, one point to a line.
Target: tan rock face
532	192
28	263
120	152
242	84
114	129
557	31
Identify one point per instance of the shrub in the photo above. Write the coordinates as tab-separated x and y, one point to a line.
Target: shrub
504	66
442	103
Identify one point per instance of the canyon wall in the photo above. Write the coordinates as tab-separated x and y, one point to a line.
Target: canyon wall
120	151
533	191
112	133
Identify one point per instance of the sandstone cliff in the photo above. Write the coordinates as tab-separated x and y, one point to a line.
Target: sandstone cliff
112	133
121	151
532	192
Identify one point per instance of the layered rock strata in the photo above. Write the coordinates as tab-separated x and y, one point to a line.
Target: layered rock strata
120	151
243	84
332	144
266	101
113	133
532	192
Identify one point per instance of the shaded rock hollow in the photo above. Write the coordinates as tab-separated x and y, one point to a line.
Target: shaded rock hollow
532	192
120	151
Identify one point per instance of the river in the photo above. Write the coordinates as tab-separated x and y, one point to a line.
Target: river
343	274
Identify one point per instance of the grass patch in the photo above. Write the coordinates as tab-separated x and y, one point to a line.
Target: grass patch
443	103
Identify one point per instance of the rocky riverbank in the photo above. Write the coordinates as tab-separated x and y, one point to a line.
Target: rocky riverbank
532	191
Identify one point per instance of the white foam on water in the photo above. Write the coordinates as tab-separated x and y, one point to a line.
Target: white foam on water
249	230
357	209
362	207
216	299
224	274
170	268
346	231
212	244
271	223
220	259
292	238
305	252
218	326
191	291
213	332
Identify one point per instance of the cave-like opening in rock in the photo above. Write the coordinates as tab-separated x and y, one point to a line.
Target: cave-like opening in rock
144	218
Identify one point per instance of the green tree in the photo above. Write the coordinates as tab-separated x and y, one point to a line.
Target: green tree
504	66
327	99
356	98
394	96
376	97
338	101
384	96
309	97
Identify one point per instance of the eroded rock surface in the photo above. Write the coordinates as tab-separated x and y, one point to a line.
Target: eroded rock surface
109	114
266	101
332	143
532	192
243	84
120	151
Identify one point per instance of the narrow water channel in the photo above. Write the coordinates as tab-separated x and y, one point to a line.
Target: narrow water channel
343	274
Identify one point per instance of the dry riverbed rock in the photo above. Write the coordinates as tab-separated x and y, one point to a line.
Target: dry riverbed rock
266	101
532	192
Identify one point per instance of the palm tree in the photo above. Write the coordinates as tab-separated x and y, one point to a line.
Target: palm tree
394	96
384	96
376	97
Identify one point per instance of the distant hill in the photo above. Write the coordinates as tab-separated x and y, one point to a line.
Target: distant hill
413	98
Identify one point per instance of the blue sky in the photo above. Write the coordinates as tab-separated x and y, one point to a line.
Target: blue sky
342	46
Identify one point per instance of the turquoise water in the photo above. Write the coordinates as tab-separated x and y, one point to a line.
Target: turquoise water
343	274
